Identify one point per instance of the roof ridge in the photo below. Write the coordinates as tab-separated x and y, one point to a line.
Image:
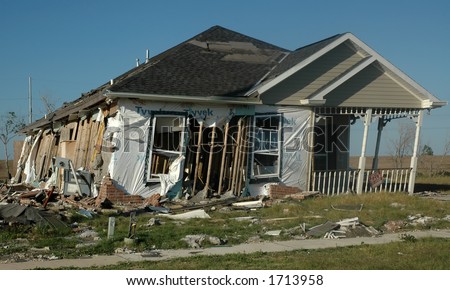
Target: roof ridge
320	41
204	36
301	53
247	36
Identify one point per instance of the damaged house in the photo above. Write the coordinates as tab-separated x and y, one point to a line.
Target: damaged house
226	113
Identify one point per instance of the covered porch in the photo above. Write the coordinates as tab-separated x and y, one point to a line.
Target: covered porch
331	172
342	81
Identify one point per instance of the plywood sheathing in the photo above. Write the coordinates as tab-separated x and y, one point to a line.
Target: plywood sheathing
90	153
41	154
79	144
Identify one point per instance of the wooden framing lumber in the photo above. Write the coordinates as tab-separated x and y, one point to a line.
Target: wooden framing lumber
211	156
223	162
236	156
197	157
243	159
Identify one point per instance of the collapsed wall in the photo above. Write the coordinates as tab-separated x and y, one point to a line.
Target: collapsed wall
173	149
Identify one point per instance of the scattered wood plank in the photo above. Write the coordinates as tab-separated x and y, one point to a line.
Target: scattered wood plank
348	207
321	230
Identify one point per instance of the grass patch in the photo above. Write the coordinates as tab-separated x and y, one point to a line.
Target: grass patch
377	209
421	254
439	183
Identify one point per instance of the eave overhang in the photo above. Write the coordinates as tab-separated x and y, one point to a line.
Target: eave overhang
179	98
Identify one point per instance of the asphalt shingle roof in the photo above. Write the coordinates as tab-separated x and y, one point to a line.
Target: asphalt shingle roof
217	62
301	54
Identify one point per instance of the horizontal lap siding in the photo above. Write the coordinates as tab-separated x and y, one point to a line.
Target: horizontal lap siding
372	88
326	69
313	77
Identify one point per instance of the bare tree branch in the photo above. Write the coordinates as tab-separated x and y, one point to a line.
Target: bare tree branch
401	146
49	104
10	124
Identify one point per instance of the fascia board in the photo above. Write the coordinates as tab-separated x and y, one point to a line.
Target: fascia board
177	98
392	68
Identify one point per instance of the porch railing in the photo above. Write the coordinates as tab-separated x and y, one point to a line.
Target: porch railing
336	182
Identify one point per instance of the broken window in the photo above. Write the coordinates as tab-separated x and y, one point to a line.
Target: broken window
166	144
267	142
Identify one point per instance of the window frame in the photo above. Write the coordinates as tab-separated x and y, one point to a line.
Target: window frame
151	150
270	152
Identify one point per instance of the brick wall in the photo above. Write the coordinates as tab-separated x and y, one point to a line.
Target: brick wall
109	192
280	191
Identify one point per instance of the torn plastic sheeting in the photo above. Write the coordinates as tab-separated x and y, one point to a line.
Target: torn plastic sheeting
294	156
29	169
98	116
195	214
26	143
52	181
128	131
168	181
128	167
128	160
29	166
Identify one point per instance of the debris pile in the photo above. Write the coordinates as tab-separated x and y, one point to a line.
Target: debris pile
197	241
20	214
25	204
77	178
346	228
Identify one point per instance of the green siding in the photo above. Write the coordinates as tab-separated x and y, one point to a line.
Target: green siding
312	77
372	88
327	68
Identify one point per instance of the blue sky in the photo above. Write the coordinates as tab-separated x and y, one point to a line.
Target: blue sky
71	47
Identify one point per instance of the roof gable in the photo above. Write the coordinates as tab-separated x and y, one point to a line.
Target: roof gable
289	87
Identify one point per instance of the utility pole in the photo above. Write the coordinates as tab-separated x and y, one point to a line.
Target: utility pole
30	109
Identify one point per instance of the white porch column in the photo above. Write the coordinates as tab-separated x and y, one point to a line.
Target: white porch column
362	158
381	124
310	146
413	166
